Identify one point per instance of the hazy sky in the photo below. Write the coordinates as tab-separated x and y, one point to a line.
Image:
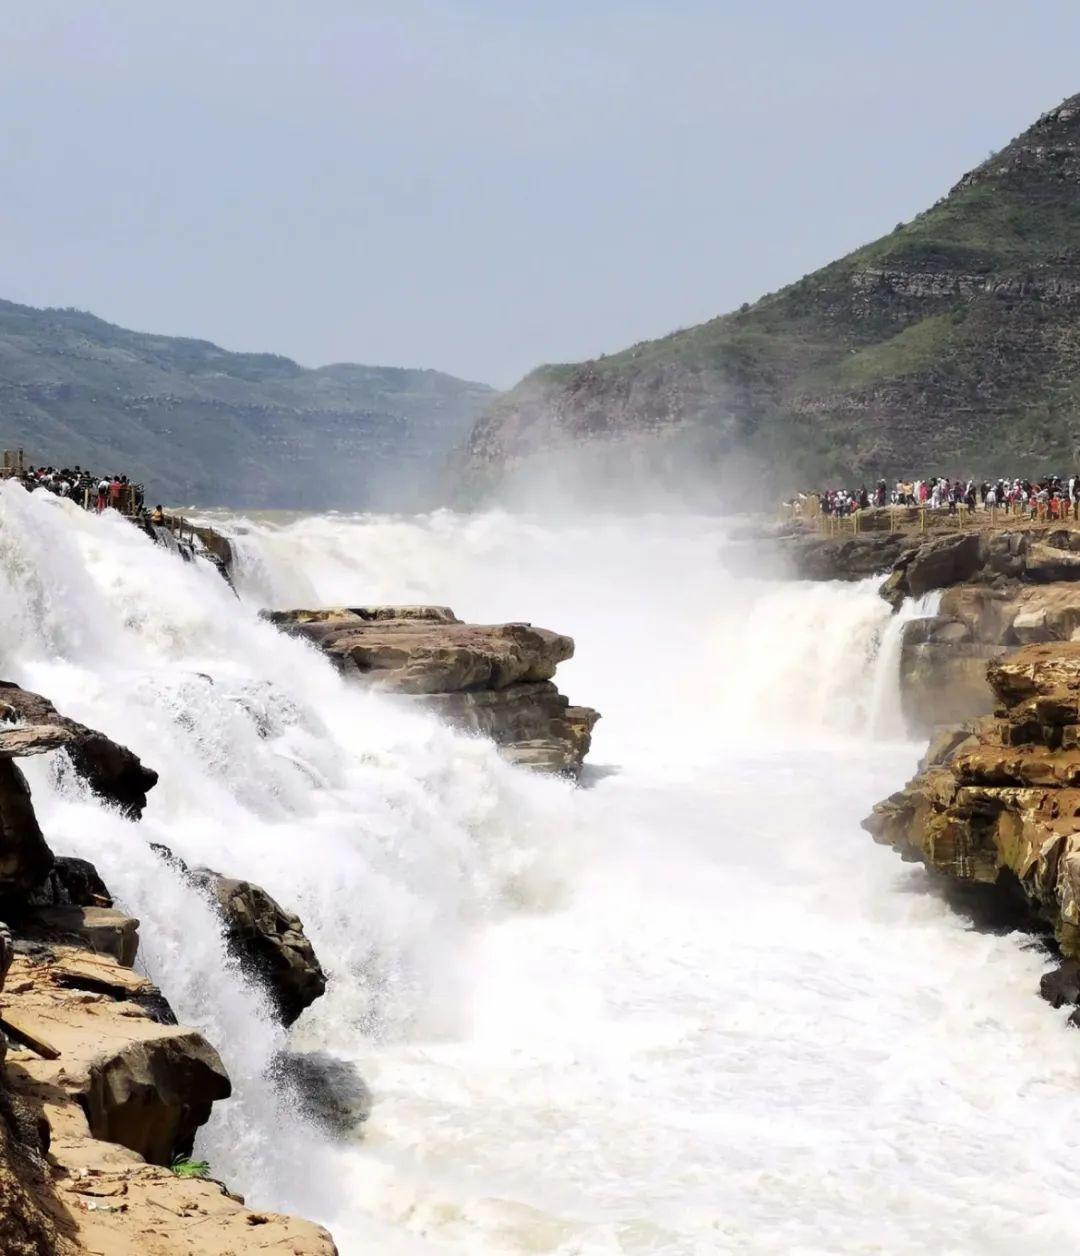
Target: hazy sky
484	185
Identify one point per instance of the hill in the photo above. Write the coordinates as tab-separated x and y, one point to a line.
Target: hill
951	345
201	425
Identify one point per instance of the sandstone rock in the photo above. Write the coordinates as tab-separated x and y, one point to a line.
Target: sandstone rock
493	680
152	1094
122	1085
1001	806
269	942
939	563
102	929
111	770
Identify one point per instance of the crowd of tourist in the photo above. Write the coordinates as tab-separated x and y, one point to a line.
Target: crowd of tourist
91	491
1053	497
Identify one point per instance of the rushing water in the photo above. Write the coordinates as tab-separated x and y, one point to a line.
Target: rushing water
689	1009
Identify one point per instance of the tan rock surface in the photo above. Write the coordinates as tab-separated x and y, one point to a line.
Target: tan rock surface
493	679
122	1076
1001	805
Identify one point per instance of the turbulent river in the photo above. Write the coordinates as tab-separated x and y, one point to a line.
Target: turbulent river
691	1008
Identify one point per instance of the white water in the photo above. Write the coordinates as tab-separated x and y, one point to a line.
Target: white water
692	1009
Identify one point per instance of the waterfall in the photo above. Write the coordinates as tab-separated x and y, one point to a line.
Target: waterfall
690	1008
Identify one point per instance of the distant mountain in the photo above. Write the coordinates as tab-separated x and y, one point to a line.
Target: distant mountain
951	345
200	425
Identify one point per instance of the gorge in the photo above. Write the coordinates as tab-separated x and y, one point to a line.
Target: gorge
691	1003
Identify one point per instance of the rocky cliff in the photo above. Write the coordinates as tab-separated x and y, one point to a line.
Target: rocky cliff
495	680
996	803
100	1088
951	344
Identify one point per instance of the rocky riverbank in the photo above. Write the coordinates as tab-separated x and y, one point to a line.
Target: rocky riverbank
100	1088
494	680
991	675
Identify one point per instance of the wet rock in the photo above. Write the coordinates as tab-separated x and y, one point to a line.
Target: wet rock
25	859
1061	985
490	679
110	769
269	942
327	1090
71	883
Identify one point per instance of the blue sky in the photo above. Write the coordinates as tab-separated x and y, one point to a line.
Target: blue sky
480	186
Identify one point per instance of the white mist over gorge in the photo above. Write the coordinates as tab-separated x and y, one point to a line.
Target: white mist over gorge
687	1008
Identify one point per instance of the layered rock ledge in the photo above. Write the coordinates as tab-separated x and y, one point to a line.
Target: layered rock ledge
100	1088
495	680
996	803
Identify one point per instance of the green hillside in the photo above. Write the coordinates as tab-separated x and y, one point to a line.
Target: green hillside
201	425
950	345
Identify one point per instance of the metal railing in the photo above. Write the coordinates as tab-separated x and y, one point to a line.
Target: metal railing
915	518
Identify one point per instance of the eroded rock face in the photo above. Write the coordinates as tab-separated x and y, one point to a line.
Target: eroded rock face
489	679
114	1086
269	942
999	803
1037	554
944	657
110	770
25	858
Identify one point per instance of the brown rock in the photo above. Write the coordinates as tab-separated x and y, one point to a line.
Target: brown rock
269	942
111	770
1000	806
489	679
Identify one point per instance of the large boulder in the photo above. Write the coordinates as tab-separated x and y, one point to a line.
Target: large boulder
325	1089
268	941
489	679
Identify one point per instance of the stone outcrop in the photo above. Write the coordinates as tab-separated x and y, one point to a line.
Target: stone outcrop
118	1094
997	803
98	1073
110	769
489	679
267	941
1030	554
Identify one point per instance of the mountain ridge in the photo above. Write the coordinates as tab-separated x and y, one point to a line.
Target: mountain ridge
954	339
210	426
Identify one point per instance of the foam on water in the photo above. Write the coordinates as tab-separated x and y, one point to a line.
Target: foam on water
692	1009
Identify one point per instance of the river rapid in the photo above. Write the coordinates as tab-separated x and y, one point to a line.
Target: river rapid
690	1008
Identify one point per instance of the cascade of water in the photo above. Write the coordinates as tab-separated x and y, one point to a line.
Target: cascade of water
687	1010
